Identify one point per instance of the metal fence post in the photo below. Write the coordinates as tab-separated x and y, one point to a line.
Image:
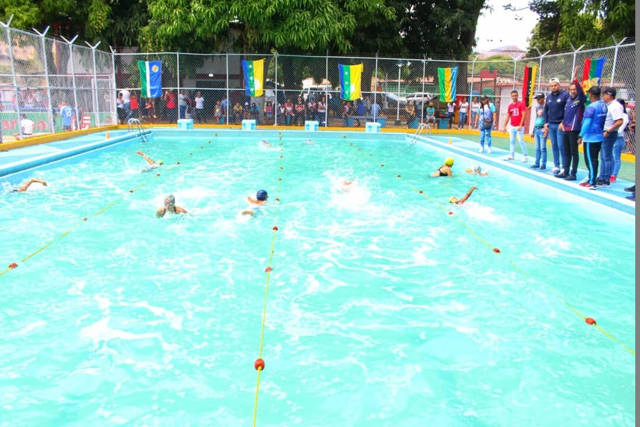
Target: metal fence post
276	104
515	66
542	55
615	60
375	91
114	111
95	83
227	77
13	73
423	73
73	78
178	82
46	76
473	68
326	90
573	63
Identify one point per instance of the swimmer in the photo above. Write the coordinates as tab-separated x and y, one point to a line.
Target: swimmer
265	142
444	170
454	199
477	170
309	141
24	187
152	163
170	206
346	186
260	200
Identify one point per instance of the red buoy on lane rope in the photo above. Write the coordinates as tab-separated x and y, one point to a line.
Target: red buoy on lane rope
268	269
450	213
496	250
398	175
13	265
590	321
281	168
259	365
130	191
277	199
420	191
279	179
85	218
177	163
275	228
157	174
382	165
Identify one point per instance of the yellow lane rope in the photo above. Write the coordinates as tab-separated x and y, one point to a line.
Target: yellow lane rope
587	320
259	363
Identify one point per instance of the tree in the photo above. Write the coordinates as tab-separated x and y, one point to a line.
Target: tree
589	22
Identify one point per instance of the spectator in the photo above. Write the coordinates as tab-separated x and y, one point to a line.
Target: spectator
570	127
126	98
27	126
246	111
217	112
591	134
299	108
122	114
619	144
135	106
462	113
450	109
322	110
288	111
375	110
430	113
171	107
66	113
311	108
359	110
346	115
149	109
182	104
553	115
255	112
237	112
199	110
539	134
475	107
514	124
487	117
410	109
224	104
268	111
613	121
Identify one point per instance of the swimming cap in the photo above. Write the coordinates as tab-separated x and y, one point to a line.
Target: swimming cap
171	199
453	199
261	195
160	162
448	161
477	169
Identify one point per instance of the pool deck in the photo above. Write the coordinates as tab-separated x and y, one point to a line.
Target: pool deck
29	157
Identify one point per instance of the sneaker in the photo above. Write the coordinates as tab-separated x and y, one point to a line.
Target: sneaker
489	150
602	182
561	175
555	170
584	184
508	158
525	160
631	189
612	179
543	167
632	197
592	187
481	150
570	178
535	166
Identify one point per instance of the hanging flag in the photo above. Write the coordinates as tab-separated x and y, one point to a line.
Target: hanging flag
253	74
592	72
150	78
528	84
350	81
447	81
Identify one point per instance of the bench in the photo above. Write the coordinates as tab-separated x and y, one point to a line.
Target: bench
364	119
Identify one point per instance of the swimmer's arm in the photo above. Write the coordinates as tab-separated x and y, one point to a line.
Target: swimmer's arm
147	158
160	212
466	196
181	210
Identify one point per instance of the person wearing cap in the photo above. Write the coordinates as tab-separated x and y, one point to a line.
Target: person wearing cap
170	206
539	134
24	187
553	115
259	201
620	143
152	164
612	123
487	117
444	170
514	123
456	201
591	134
570	127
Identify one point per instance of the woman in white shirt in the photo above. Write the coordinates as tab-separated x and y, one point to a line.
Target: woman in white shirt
462	114
200	108
450	109
475	106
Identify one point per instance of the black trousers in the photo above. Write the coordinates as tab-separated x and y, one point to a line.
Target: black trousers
591	156
570	148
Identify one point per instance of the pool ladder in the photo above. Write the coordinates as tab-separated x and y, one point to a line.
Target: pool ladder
135	125
422	127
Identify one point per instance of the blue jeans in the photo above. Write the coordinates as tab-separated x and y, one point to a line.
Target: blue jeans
473	117
607	156
618	146
485	133
512	140
462	118
555	135
183	110
541	147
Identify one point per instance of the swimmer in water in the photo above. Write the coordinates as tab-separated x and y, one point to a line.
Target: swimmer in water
444	170
477	170
170	206
265	142
24	187
346	186
152	164
454	199
309	141
260	200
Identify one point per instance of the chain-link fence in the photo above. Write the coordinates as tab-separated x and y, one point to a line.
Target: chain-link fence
60	85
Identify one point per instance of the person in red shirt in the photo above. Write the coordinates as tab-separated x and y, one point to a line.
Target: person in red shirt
134	105
516	115
170	105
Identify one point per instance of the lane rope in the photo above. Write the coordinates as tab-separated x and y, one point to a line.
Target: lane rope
516	267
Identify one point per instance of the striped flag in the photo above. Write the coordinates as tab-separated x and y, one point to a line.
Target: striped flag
350	81
150	78
253	75
447	81
592	72
528	84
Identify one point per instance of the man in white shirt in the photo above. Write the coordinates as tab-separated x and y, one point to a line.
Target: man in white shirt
612	122
126	106
450	109
27	126
199	107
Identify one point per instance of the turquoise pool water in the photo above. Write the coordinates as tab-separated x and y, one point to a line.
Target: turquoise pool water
383	309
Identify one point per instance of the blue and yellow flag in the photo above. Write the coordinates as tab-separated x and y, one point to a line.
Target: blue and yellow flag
447	81
253	77
350	81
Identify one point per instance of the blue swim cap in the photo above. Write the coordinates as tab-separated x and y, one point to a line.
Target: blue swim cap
261	195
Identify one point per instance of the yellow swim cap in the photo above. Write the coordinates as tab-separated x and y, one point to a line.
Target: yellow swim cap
448	161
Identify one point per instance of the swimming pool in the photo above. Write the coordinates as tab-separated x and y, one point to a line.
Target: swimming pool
383	308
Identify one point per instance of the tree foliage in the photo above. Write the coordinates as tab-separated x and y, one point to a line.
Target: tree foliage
589	22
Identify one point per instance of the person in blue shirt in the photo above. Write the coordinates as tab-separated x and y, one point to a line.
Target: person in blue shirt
66	112
553	115
591	134
487	117
570	126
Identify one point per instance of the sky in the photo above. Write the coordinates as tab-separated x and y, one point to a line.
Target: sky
499	27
